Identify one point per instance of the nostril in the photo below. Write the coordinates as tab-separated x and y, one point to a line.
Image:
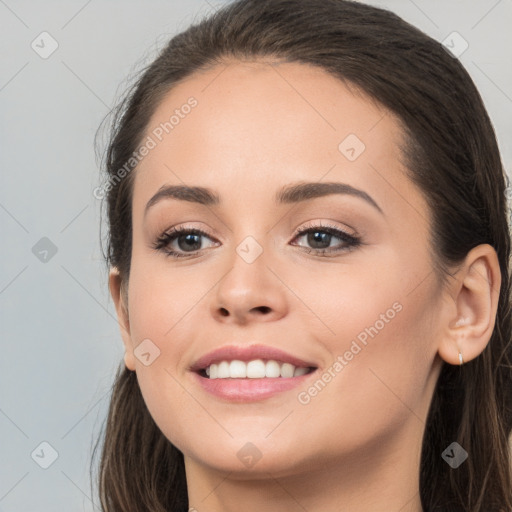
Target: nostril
262	309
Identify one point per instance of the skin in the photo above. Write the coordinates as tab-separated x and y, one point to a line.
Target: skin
356	445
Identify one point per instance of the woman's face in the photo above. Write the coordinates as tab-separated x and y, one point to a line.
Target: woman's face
352	301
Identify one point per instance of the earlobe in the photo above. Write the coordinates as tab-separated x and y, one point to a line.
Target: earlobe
129	360
119	297
475	292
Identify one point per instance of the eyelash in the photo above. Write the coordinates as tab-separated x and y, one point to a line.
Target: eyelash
169	236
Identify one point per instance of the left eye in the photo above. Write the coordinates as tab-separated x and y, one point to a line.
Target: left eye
320	237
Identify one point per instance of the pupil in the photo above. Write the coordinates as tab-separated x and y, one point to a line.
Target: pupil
191	239
318	238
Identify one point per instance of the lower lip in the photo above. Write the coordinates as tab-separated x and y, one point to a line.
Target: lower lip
249	390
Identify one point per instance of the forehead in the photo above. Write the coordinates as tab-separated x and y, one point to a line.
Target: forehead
246	126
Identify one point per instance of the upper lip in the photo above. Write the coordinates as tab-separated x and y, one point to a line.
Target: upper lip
247	353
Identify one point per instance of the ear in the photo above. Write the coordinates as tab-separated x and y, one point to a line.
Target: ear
120	297
475	292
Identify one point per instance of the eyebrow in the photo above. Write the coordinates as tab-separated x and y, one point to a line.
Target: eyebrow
288	194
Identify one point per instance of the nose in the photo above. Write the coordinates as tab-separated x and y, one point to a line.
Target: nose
249	292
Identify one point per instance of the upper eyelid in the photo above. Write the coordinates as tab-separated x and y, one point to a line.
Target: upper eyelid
175	230
321	225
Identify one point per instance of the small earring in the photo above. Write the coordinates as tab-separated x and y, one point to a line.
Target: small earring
461	359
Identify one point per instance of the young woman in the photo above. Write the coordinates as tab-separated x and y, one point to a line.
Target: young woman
309	258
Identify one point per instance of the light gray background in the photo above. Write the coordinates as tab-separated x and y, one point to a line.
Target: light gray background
60	343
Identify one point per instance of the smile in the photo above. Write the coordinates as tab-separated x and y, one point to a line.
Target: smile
255	369
248	373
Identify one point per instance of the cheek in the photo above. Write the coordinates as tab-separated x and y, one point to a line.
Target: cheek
345	299
159	323
161	304
378	327
386	359
180	418
376	382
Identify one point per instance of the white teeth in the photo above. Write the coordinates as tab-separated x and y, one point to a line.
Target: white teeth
223	370
272	369
237	369
287	370
300	371
255	369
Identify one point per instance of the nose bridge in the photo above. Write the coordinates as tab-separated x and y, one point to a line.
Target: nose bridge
249	288
248	266
249	234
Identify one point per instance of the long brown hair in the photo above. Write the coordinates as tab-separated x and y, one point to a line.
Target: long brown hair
451	154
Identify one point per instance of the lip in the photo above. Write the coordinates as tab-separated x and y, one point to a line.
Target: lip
249	390
247	353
